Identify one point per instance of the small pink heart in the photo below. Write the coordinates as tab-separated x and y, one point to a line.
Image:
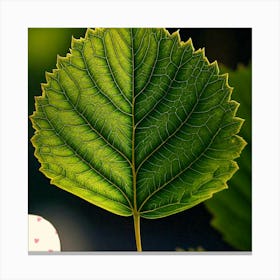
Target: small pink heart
36	240
39	219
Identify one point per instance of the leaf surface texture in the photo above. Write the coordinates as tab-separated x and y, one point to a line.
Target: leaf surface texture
134	120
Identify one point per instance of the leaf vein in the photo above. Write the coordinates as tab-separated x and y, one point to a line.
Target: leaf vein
81	114
112	73
182	171
98	88
88	163
178	128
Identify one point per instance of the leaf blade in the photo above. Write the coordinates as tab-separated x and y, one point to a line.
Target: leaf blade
134	120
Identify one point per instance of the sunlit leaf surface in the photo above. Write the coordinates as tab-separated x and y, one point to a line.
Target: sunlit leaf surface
136	121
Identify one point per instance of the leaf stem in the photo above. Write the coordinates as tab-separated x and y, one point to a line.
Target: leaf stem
136	218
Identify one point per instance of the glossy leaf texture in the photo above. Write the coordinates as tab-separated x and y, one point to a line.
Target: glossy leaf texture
232	209
137	122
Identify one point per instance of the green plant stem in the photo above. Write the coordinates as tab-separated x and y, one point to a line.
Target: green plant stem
136	218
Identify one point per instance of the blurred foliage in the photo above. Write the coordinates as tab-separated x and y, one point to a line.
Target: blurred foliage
231	208
44	44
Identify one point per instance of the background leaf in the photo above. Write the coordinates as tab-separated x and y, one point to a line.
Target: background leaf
69	213
231	208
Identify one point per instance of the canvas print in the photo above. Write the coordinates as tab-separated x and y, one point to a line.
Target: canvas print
139	139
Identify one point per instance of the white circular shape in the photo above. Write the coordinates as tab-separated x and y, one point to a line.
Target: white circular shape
43	236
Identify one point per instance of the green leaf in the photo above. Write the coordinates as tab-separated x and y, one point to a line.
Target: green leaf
231	209
137	122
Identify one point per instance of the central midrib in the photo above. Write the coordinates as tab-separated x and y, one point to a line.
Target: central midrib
135	210
136	215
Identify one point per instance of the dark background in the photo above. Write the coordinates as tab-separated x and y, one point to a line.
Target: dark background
85	227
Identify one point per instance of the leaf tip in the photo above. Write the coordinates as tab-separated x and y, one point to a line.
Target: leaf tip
77	44
176	35
225	76
89	32
201	52
205	57
49	76
244	143
189	42
62	62
215	66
